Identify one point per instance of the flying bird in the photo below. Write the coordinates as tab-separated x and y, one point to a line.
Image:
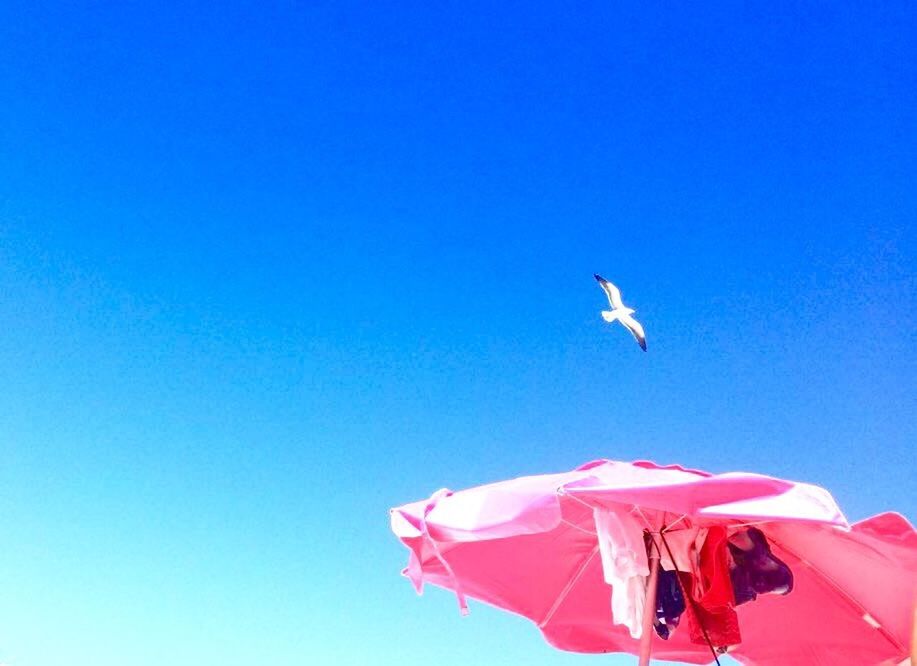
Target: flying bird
621	312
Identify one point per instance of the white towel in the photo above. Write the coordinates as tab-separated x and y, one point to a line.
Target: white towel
624	565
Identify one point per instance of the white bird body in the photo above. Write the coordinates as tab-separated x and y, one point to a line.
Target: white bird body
614	315
621	312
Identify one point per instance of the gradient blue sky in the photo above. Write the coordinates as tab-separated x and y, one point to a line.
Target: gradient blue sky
267	270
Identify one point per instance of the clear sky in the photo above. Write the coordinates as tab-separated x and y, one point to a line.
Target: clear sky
267	270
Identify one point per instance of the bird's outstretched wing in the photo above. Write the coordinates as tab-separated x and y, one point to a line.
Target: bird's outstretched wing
636	330
613	293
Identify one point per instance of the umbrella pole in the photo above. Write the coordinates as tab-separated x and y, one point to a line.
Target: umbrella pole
649	608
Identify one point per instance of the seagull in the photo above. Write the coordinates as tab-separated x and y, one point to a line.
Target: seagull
621	312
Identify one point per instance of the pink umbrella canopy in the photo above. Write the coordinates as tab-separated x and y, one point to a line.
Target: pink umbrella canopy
530	546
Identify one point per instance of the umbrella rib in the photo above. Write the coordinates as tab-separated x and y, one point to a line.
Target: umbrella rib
456	585
578	527
669	527
856	605
563	493
568	587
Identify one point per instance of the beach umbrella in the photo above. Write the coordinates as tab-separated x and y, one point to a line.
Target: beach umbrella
550	548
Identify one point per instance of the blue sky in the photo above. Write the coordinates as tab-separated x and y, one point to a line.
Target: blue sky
266	271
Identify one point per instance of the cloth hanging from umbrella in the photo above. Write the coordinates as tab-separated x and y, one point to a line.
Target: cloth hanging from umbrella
529	546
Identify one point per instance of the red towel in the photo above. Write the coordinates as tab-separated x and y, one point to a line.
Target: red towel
712	593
